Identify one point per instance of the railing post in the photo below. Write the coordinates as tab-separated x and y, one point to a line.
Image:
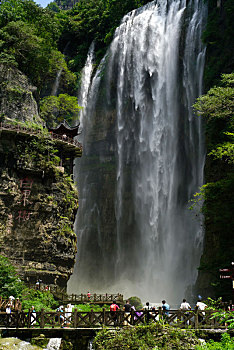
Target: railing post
132	317
104	316
94	297
17	319
196	320
160	312
75	318
42	319
91	317
29	318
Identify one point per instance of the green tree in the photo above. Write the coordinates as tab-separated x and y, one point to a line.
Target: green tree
217	106
10	283
55	109
40	300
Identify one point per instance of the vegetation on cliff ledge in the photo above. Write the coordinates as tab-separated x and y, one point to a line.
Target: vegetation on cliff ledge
217	106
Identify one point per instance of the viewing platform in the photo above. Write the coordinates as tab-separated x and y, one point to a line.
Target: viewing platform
68	143
97	319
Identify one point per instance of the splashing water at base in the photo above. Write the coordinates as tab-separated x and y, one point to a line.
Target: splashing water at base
54	344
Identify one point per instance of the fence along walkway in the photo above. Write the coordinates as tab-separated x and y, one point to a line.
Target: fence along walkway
17	128
75	319
93	298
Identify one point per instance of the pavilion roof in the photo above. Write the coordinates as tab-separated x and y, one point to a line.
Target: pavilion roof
65	128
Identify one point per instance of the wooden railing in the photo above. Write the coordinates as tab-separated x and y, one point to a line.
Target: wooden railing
37	132
15	304
93	298
75	319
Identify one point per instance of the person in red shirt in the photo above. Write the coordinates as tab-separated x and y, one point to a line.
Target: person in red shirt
113	311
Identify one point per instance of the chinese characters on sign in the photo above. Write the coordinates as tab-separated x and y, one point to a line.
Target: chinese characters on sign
25	186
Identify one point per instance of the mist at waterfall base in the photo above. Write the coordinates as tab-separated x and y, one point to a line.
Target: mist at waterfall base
143	157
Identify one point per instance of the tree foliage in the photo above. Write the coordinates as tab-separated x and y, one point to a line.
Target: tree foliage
29	38
57	108
10	283
40	300
217	106
92	20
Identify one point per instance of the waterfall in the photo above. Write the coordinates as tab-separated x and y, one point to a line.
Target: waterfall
143	157
86	75
55	86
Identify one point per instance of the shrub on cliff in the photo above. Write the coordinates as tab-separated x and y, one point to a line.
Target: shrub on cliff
40	300
10	283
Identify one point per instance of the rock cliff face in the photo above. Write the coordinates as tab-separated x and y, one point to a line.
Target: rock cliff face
16	95
38	200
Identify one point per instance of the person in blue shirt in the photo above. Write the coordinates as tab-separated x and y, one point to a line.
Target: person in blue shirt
165	307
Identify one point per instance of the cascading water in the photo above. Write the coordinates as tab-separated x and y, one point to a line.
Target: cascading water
55	86
86	75
143	157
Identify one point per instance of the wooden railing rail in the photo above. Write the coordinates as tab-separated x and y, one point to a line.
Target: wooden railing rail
93	298
92	319
15	304
36	132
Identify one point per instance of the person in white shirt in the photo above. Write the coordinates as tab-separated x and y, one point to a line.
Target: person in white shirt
201	306
185	307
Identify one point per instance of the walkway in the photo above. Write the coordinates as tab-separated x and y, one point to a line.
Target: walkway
76	319
69	143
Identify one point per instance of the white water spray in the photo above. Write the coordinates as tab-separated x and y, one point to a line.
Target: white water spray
54	344
86	75
150	244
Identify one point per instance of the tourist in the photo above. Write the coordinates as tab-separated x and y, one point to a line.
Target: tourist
8	311
10	300
127	307
200	306
138	316
60	318
33	316
18	305
147	308
165	307
127	316
185	307
68	313
37	285
88	295
113	311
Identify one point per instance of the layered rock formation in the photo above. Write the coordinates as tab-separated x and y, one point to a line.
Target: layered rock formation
38	200
16	95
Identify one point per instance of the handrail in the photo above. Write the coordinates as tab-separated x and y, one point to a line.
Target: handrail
76	319
36	132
